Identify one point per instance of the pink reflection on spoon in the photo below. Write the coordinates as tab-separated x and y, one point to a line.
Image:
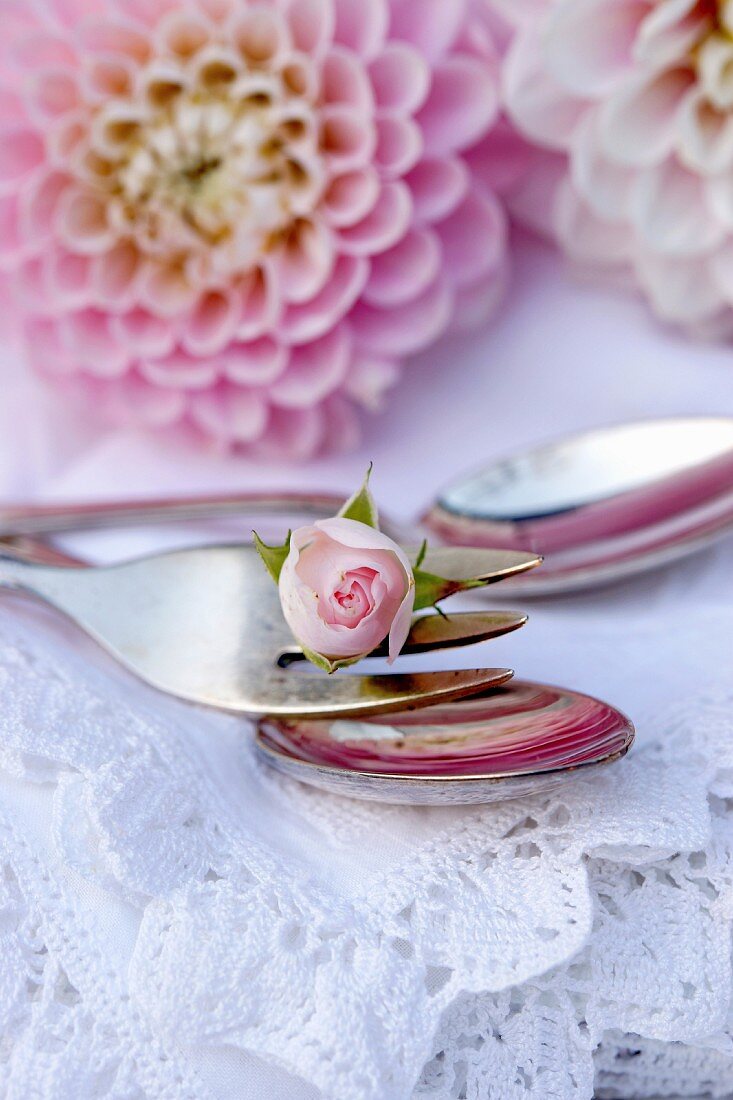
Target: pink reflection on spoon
521	728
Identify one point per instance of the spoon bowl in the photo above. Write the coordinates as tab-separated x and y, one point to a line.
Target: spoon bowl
519	739
601	505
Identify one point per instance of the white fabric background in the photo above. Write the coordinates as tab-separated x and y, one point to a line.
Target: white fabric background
104	781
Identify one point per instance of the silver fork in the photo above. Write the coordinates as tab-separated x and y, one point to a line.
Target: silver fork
205	624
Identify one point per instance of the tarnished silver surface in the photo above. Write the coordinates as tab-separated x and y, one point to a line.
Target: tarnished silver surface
205	624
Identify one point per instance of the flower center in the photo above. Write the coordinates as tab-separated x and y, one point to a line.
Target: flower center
223	158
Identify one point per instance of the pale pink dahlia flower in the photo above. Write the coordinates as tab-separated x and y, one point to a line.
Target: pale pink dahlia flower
637	97
241	215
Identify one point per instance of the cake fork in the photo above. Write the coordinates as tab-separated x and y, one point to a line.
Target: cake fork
205	624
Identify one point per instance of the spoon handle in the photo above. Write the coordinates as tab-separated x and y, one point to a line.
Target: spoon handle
37	519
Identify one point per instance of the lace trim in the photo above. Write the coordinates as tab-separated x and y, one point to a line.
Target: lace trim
520	950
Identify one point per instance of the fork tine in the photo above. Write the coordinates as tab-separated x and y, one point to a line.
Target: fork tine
473	563
291	695
430	632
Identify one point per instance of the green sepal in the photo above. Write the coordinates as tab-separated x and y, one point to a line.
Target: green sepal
430	590
326	663
273	556
362	506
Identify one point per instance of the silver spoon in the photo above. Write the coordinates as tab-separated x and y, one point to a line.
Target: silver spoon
520	739
600	506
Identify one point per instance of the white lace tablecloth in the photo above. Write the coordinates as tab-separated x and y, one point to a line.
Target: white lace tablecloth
175	922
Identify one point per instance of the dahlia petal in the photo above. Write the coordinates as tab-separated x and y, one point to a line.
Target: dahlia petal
369	378
143	333
344	81
311	24
178	370
293	434
305	262
66	278
720	266
212	322
477	303
342	431
70	12
21	152
230	414
259	302
406	329
589	44
362	27
107	35
38	206
473	238
501	159
434	30
256	363
348	138
45	348
606	185
405	270
437	185
544	110
28	286
81	220
400	78
669	210
261	36
638	125
42	49
321	313
399	145
182	33
681	289
65	138
705	136
349	197
54	94
12	248
463	101
115	276
585	236
670	31
384	224
106	77
133	400
314	371
86	334
300	77
12	107
166	290
149	12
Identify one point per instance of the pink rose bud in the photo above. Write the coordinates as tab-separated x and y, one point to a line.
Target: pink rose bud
344	587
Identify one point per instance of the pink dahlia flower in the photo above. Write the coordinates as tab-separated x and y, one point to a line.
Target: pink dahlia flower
637	97
242	215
